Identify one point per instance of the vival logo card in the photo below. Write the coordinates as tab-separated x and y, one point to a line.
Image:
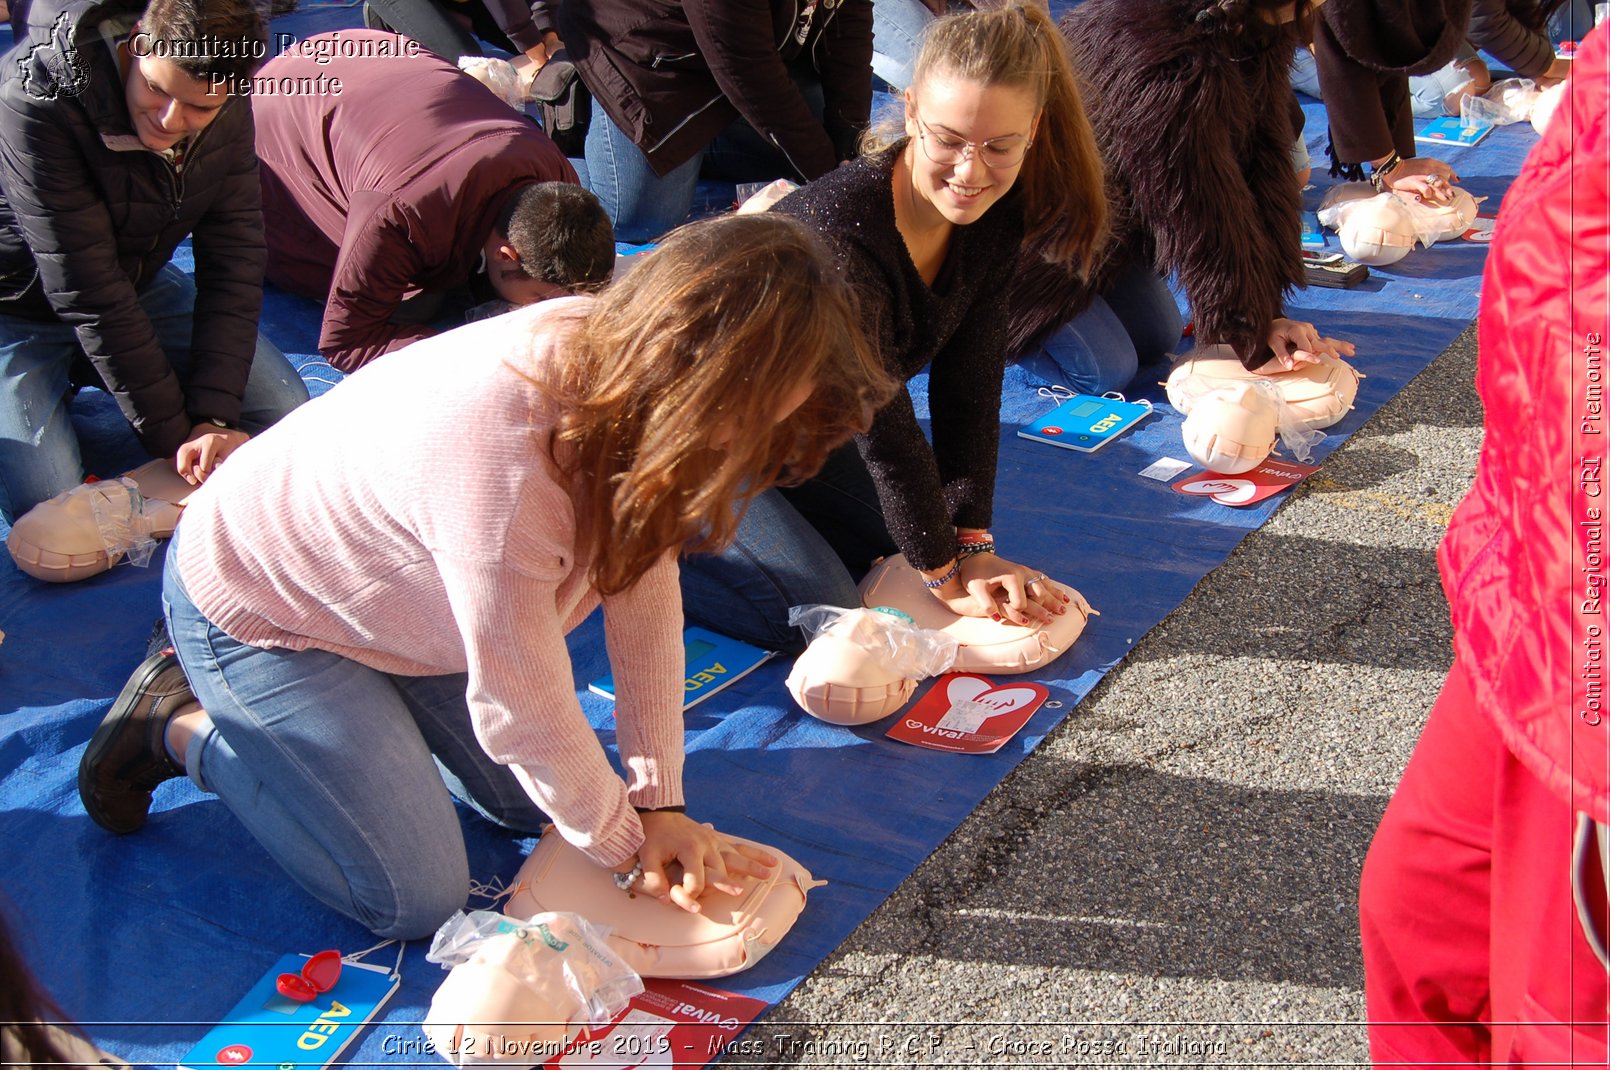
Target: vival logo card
1268	479
969	714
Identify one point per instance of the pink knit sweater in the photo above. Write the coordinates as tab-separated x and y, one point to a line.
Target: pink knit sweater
413	520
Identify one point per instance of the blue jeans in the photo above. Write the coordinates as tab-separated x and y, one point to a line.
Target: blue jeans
1428	93
643	205
897	30
39	455
1305	74
1133	323
344	774
804	545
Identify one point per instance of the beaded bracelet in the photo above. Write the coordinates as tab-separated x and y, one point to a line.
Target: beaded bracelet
1378	174
972	543
950	574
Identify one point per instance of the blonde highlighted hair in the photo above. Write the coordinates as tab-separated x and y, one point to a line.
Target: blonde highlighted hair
1063	189
706	337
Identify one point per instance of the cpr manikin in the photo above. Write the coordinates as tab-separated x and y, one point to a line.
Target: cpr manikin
729	933
1544	107
1382	228
864	664
522	989
85	531
569	948
1234	418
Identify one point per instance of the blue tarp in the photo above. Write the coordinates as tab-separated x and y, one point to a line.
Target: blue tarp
147	938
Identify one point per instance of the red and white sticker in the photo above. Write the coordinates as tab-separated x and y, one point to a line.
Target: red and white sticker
1481	229
1248	488
968	714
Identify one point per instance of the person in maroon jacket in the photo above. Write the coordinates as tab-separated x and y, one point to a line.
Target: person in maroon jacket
406	186
743	90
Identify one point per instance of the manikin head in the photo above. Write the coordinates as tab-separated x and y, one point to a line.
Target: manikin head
182	59
550	239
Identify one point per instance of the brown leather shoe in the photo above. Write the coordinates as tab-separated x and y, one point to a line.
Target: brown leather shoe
126	758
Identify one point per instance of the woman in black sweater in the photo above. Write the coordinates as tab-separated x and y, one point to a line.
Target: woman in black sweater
993	147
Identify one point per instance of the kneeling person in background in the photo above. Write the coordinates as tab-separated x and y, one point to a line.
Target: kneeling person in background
116	144
411	195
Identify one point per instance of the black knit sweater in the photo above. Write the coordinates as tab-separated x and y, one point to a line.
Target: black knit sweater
1196	129
957	328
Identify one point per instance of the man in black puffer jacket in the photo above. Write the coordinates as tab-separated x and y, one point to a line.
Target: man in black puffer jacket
118	139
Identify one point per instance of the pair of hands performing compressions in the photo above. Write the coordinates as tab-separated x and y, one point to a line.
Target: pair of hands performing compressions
706	860
978	583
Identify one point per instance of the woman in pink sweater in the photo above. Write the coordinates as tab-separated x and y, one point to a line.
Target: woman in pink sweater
391	577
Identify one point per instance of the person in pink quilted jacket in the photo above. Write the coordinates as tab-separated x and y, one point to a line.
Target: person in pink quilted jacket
1483	903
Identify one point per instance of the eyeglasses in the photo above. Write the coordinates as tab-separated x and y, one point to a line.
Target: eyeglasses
995	154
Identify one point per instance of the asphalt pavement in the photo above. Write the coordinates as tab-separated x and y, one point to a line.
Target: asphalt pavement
1172	877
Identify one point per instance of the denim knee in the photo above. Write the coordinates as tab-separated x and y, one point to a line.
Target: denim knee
273	388
898	27
775	561
1142	303
421	898
1066	360
641	204
741	597
1428	93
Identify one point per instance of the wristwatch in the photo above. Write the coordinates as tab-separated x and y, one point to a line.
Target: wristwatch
217	422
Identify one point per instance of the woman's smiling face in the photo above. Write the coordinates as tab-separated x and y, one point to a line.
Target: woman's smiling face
979	135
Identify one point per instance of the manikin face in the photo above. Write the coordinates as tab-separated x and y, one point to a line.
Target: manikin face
166	104
980	135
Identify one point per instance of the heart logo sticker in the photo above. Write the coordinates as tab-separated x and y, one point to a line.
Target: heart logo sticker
967	713
1265	481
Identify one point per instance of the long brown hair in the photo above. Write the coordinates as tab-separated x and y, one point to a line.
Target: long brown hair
710	332
1063	190
25	1004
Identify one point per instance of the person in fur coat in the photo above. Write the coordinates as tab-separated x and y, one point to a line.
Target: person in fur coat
1192	106
1365	51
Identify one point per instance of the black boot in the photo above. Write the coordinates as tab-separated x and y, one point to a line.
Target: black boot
126	758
